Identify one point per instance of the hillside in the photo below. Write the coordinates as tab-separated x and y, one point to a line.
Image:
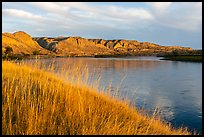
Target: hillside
89	47
73	46
38	102
134	47
21	43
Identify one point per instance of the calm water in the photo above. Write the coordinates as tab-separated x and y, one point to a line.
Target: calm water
174	87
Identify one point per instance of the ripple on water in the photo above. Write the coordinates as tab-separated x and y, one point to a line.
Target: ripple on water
184	91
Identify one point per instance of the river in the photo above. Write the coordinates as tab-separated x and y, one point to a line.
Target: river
174	87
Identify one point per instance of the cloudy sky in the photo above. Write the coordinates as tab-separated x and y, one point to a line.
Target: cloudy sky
164	23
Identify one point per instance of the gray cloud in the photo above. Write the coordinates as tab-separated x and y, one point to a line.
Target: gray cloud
180	15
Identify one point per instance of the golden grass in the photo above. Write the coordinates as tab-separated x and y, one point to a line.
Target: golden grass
38	102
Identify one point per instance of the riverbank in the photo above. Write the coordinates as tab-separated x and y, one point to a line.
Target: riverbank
190	58
193	56
33	101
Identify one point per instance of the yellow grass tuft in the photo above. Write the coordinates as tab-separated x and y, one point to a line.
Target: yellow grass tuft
38	102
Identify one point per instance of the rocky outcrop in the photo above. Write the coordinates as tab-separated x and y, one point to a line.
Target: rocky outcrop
21	43
73	46
134	47
78	46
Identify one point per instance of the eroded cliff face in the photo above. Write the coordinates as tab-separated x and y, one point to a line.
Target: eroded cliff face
88	47
73	46
21	43
134	47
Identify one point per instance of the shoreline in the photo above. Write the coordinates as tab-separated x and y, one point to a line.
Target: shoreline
185	58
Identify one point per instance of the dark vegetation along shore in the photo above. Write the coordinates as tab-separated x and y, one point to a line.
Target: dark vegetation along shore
193	56
20	45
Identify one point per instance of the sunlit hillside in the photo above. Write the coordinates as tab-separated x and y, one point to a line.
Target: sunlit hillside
21	43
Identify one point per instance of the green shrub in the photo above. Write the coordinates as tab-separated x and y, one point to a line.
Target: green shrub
8	50
36	52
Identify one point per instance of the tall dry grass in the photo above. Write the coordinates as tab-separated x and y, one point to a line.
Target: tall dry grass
38	102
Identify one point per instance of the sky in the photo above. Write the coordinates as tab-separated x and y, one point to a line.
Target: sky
163	23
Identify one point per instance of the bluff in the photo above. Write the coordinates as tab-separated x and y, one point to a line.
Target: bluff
21	43
87	47
73	46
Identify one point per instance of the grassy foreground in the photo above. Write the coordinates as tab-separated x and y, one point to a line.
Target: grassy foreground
38	102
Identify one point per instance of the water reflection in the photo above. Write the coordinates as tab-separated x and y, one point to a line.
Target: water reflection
106	64
174	87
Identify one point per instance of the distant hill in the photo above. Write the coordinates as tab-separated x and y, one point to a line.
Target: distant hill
134	47
73	46
22	43
82	46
